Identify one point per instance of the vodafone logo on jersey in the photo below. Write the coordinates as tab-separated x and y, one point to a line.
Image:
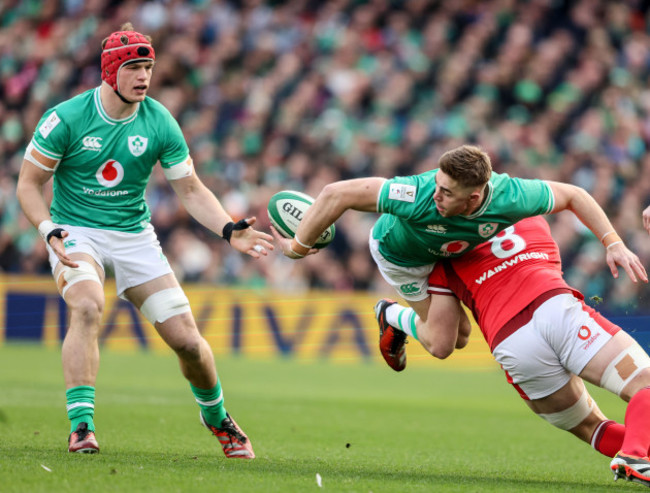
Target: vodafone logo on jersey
110	173
454	247
588	336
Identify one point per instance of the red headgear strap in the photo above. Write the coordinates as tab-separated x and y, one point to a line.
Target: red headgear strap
122	47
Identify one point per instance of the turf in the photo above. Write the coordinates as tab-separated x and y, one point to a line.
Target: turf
361	427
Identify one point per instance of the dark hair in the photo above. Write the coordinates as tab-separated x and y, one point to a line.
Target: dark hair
468	165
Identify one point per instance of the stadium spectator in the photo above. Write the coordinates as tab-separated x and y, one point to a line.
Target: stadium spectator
550	89
445	212
100	148
542	334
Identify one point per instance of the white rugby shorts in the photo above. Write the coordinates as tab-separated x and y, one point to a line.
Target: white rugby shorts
562	336
411	283
134	258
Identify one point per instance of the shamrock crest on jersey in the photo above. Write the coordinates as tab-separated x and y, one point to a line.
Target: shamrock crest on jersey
487	229
137	145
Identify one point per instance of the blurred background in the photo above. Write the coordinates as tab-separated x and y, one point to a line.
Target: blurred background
299	93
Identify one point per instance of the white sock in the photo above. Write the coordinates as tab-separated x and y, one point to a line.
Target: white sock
403	319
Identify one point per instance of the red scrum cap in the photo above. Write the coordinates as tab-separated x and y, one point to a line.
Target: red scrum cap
124	47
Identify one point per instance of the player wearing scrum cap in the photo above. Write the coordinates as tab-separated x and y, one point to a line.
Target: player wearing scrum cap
100	148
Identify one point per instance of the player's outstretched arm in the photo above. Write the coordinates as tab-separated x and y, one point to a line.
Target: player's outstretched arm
583	205
203	206
360	194
29	191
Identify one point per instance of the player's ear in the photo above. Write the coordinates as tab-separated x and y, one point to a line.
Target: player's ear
475	196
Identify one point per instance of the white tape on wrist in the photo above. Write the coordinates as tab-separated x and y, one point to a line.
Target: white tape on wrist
297	255
301	243
45	227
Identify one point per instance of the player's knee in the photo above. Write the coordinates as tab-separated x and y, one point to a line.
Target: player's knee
188	350
569	418
626	371
88	309
441	353
437	350
164	304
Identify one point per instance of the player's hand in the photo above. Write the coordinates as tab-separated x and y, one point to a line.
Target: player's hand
620	255
56	244
250	241
646	218
285	245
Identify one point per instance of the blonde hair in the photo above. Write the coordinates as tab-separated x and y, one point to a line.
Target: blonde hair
468	165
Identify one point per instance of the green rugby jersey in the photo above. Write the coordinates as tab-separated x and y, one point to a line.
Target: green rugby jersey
105	164
411	232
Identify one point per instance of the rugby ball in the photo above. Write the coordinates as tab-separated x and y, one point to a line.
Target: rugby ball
287	208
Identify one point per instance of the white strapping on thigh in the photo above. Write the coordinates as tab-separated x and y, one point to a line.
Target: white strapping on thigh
571	416
164	304
623	368
73	275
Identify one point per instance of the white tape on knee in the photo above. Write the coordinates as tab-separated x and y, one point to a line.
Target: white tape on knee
572	416
165	304
73	275
624	368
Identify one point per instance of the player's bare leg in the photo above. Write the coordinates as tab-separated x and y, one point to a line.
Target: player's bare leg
80	355
570	395
197	365
621	366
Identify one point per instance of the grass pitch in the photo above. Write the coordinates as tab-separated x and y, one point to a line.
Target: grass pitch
361	427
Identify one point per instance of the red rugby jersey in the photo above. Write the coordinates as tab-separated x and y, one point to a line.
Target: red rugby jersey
501	277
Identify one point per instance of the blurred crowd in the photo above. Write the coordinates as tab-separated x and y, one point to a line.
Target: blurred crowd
296	94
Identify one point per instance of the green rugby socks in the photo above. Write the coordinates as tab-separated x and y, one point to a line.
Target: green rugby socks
81	406
211	403
402	319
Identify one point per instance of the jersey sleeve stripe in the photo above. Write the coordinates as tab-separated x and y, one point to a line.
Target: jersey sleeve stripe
45	152
380	207
440	290
173	163
551	199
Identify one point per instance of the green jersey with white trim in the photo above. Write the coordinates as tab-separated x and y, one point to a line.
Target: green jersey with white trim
105	164
411	232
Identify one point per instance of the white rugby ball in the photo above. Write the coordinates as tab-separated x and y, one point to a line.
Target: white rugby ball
287	208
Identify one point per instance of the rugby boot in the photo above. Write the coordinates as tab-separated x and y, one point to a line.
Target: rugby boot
233	440
392	341
636	469
82	440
